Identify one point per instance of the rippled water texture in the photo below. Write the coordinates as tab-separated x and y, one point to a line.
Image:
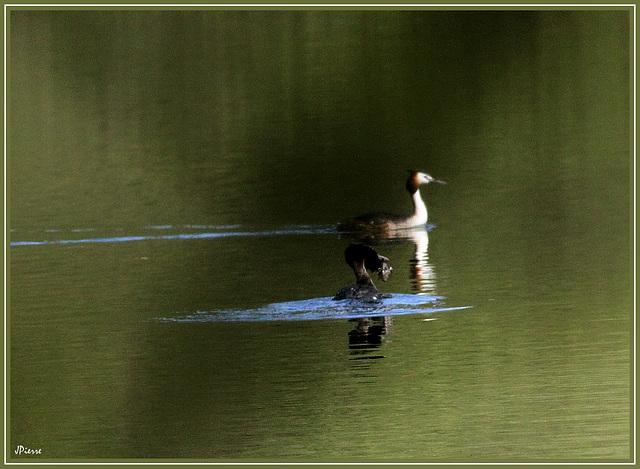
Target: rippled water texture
322	308
176	179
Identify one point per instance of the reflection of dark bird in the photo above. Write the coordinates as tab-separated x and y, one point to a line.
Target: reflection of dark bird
362	258
369	331
383	223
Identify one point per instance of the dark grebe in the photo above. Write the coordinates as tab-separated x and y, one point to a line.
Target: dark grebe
362	258
385	222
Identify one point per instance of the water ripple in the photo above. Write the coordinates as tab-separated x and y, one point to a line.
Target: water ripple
322	308
285	231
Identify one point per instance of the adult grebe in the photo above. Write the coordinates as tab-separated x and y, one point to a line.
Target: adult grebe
385	222
362	258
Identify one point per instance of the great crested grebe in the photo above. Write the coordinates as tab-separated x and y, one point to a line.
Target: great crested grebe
383	222
362	258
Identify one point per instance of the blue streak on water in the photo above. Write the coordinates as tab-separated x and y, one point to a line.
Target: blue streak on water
207	235
193	227
322	308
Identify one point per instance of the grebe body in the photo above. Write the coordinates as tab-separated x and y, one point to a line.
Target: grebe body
381	222
362	258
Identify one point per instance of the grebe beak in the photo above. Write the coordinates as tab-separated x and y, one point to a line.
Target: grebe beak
424	178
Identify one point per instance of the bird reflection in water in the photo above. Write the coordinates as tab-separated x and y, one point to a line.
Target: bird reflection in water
366	338
368	334
421	271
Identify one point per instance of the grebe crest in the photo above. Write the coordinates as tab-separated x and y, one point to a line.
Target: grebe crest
382	224
361	258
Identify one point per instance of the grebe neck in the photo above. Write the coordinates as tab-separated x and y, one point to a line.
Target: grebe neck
362	277
420	214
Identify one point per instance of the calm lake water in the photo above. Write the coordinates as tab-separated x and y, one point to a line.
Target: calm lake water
175	180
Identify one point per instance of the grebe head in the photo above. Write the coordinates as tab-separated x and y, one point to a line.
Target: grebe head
416	179
362	254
